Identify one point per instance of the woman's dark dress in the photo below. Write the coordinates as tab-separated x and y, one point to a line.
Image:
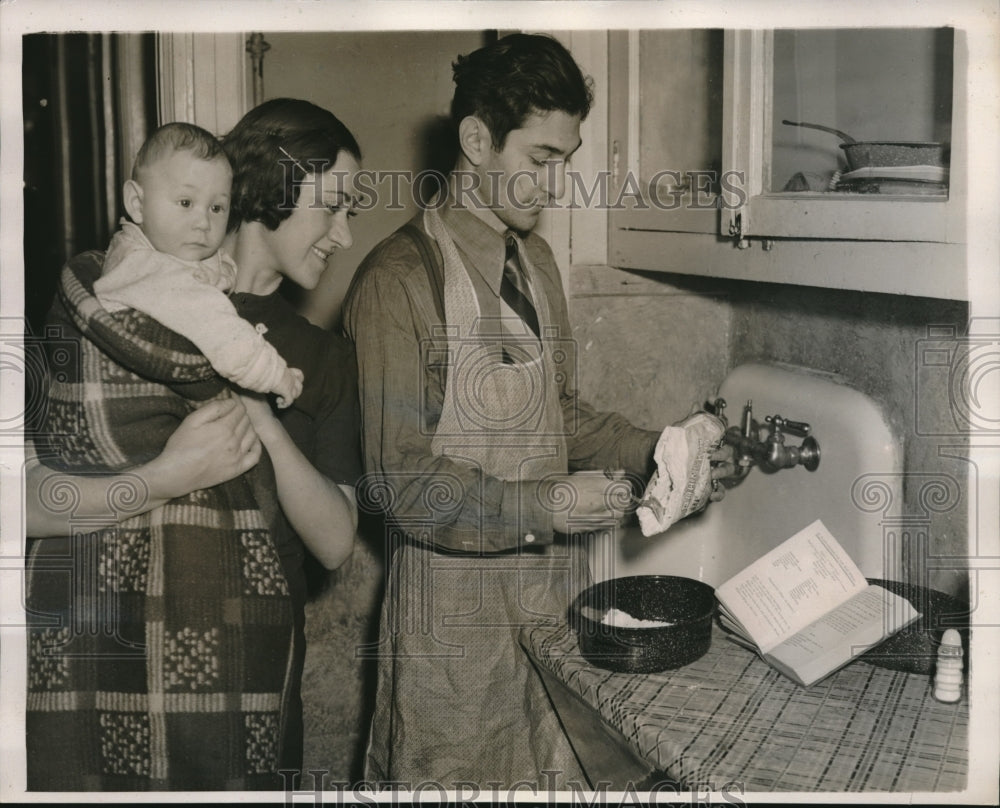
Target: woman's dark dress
325	423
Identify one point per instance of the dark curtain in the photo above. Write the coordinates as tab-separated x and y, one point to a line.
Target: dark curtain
73	164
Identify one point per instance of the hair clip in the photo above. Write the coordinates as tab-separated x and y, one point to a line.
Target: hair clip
302	167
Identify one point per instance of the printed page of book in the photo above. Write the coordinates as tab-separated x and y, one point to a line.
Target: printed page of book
793	585
835	639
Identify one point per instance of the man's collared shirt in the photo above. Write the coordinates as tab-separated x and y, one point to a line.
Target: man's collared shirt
390	313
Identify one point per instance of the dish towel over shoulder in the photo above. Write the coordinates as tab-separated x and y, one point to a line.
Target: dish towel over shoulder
681	483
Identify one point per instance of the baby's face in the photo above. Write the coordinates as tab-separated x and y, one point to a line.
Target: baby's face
185	204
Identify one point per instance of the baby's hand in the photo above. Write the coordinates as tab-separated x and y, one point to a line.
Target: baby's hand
290	387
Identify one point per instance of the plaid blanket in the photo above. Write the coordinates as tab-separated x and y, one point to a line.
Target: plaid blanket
159	649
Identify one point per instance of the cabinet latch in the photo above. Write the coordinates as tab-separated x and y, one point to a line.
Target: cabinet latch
736	231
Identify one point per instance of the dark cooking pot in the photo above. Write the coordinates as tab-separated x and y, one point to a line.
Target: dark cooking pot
685	605
873	153
867	153
914	648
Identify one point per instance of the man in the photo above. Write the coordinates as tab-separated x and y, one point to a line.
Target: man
471	425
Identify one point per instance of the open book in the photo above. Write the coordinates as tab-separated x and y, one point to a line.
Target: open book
806	608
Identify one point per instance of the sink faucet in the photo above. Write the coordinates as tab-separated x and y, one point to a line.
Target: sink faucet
780	456
770	454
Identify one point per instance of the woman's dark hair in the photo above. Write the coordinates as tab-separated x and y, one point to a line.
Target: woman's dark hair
272	149
175	137
521	74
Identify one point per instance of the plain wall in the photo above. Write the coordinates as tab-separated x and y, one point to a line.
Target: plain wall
392	89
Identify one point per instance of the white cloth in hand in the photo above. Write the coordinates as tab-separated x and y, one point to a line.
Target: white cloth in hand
681	484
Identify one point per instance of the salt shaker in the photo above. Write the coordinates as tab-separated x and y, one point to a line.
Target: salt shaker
948	675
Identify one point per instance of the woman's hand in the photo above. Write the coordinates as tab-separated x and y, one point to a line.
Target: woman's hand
214	444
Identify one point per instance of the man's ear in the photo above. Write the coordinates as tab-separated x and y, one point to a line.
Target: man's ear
132	199
474	139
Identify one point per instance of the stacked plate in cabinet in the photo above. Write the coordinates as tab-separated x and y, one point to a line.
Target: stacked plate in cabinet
919	180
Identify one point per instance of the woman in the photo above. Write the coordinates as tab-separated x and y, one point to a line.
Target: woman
166	653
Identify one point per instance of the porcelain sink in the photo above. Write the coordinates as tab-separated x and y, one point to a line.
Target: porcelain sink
858	481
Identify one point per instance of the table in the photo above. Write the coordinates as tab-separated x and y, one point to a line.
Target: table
731	722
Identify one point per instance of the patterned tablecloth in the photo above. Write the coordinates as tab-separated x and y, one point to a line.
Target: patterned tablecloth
731	718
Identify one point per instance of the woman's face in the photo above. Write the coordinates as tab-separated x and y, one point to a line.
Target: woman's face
318	225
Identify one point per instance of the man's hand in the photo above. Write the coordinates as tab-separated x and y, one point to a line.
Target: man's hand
587	498
723	467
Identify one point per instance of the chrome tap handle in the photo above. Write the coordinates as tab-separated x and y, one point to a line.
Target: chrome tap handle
780	456
747	424
798	428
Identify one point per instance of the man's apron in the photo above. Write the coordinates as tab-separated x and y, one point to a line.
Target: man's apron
458	700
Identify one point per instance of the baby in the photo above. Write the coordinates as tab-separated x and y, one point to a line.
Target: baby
167	261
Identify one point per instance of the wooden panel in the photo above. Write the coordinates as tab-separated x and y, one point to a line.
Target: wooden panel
202	79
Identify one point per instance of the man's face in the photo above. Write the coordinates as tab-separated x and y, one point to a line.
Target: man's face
530	170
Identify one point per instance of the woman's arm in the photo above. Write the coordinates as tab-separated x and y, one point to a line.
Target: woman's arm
323	513
215	443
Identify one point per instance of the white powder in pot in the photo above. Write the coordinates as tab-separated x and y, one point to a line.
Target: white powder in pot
620	619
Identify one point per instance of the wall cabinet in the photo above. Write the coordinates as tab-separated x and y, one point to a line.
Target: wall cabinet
707	179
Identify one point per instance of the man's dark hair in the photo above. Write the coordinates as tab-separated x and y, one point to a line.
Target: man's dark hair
173	137
272	149
521	74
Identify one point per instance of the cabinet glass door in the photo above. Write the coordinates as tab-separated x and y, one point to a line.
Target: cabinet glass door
680	108
666	127
888	89
845	133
